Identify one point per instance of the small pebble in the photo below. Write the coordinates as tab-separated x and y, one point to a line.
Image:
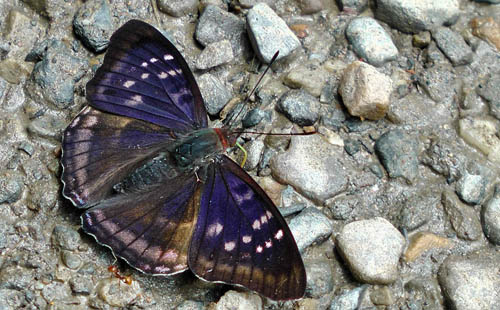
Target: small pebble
71	260
422	242
233	300
269	33
178	8
215	54
319	278
463	219
348	300
371	249
487	29
490	217
490	91
300	107
93	24
365	92
453	46
357	5
370	41
11	186
214	92
471	187
310	226
65	238
481	133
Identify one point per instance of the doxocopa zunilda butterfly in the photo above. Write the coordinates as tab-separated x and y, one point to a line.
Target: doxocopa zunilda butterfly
200	210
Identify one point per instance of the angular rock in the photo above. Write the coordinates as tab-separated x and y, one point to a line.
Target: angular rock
310	226
269	33
481	133
11	186
348	300
300	107
471	187
487	29
365	92
398	153
424	292
371	249
415	16
178	8
215	25
215	54
214	92
319	278
93	24
463	218
490	90
471	282
453	46
312	167
233	300
311	80
357	5
65	238
490	217
422	242
370	41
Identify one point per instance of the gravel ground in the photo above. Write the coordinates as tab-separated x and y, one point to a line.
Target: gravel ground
394	203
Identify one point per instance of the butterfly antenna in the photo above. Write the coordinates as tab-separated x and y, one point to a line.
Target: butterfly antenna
247	98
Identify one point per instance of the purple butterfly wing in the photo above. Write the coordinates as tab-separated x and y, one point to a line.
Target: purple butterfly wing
241	238
100	149
144	76
149	228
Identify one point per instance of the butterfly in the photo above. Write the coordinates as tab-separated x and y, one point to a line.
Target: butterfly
198	210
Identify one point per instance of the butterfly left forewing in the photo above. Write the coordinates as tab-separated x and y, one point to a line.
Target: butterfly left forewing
150	228
241	238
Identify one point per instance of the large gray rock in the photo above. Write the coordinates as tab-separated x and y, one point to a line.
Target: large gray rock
453	46
415	16
93	24
214	92
310	226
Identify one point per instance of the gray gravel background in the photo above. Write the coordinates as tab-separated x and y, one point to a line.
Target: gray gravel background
395	203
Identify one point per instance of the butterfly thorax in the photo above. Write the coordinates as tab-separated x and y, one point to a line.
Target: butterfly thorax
201	146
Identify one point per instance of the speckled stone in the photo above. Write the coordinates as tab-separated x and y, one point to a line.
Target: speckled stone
178	8
490	217
463	219
214	92
215	54
233	300
310	226
299	106
65	237
93	24
453	46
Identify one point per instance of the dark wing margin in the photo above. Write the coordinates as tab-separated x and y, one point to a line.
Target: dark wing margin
99	149
241	238
144	76
150	228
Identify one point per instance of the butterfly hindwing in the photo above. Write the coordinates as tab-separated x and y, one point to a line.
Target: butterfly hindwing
99	149
241	238
144	76
149	228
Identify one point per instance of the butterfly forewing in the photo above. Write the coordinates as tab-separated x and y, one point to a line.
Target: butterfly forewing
143	76
149	228
240	237
99	149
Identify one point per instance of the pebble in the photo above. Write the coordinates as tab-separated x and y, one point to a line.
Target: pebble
71	260
56	74
422	242
471	187
310	226
255	149
178	8
463	219
371	249
311	6
398	153
49	125
471	282
310	78
424	293
326	174
214	92
11	186
116	293
65	238
370	41
421	39
215	25
487	29
81	285
190	305
418	210
415	16
365	91
348	300
299	106
490	91
490	217
381	296
93	24
357	5
215	54
453	46
254	117
233	300
319	278
481	133
269	33
292	201
439	83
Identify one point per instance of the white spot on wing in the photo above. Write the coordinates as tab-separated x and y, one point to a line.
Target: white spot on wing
161	269
168	57
163	75
153	60
263	219
259	249
214	229
269	243
144	76
170	255
269	215
172	72
137	98
256	224
128	84
278	235
144	64
247	239
229	246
